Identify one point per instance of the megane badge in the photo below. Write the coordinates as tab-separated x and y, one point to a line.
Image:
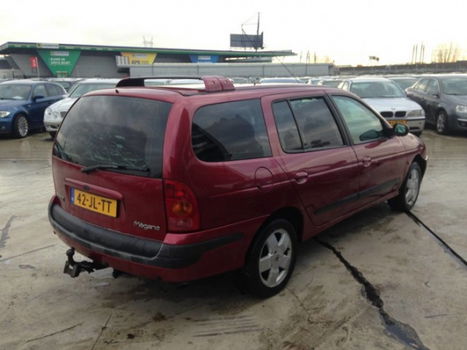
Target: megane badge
146	226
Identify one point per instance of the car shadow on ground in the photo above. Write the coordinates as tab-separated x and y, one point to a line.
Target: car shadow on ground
227	287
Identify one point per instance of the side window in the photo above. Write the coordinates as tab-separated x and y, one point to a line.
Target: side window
316	123
421	85
432	87
54	90
362	123
286	127
230	131
40	90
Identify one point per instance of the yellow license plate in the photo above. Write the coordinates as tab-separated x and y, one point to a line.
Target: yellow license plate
94	203
394	122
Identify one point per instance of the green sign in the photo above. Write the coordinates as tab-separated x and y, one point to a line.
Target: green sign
60	62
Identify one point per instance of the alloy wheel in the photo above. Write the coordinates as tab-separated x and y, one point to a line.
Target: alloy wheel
22	126
412	187
275	258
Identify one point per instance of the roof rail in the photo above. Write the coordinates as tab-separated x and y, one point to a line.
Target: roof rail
212	83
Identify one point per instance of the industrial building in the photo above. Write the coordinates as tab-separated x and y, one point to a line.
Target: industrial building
69	60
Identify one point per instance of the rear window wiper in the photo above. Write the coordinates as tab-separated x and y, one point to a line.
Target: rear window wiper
91	168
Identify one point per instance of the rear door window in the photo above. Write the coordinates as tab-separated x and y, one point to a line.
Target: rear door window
432	87
316	123
230	131
40	90
421	85
122	134
54	90
287	127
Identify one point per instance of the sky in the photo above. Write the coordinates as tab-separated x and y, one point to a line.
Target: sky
346	31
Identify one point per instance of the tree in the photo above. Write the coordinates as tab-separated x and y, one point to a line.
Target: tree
447	52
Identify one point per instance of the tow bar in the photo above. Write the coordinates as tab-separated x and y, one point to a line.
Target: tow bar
74	268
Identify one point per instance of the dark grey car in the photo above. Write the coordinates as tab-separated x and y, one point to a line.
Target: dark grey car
444	99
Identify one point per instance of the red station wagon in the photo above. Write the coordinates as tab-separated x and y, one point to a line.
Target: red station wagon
183	183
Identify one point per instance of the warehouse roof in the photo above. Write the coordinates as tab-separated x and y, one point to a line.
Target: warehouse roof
15	47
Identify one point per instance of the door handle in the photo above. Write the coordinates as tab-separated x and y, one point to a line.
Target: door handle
301	177
367	161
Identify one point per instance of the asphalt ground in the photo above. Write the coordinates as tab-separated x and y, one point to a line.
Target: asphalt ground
378	280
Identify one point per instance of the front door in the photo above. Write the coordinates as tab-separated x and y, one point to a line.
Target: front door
381	158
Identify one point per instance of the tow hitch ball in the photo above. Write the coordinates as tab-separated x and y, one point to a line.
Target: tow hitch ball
74	268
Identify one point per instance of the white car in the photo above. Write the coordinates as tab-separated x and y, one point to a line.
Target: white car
290	80
54	114
387	98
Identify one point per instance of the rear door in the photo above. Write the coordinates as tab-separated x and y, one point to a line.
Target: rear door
432	99
316	157
108	163
233	170
56	93
417	92
382	159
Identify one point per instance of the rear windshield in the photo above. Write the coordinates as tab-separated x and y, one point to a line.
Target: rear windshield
121	134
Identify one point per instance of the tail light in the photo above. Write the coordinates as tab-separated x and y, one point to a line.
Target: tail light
181	207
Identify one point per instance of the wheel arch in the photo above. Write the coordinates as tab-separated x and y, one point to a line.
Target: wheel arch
20	112
421	162
291	214
14	119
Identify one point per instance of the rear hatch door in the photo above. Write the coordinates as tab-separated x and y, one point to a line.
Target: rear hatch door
108	163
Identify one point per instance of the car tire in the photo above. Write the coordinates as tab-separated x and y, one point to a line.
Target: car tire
21	126
417	133
271	259
408	192
442	126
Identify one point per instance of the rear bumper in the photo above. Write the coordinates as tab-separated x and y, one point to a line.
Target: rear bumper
149	258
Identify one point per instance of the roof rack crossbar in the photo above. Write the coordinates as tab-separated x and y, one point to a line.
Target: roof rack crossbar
212	83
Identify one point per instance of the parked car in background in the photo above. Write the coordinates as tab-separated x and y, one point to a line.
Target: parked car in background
184	183
240	80
66	83
389	100
403	81
329	82
312	81
289	80
22	105
55	113
444	99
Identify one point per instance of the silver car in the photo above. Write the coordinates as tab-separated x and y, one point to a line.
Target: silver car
389	100
54	114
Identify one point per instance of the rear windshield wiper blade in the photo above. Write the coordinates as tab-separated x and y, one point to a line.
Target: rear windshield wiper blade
91	168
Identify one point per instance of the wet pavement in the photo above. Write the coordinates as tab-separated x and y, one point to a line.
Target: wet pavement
379	280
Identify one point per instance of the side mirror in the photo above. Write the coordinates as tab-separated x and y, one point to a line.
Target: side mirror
436	94
38	97
401	130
